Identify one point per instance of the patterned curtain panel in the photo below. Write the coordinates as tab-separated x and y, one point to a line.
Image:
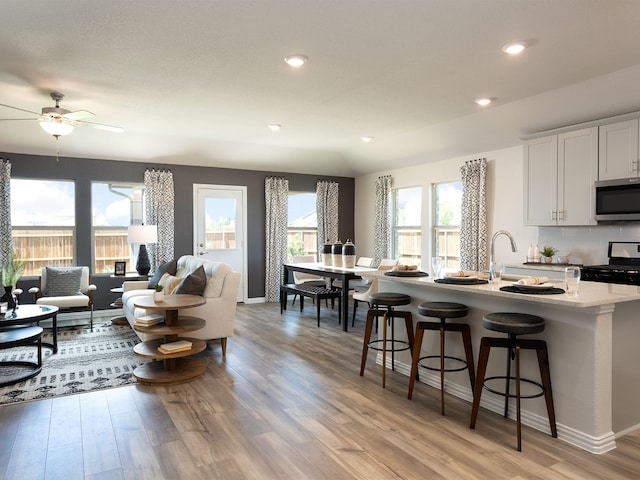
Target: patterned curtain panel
473	234
276	196
327	194
6	241
159	197
382	233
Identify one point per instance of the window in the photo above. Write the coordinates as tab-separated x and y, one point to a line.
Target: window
43	223
447	204
220	223
114	208
302	227
407	225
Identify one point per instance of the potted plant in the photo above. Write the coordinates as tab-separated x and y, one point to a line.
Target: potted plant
11	273
548	252
12	270
158	295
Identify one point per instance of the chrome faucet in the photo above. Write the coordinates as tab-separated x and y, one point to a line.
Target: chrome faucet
492	256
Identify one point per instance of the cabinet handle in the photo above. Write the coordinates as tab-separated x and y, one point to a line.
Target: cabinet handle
560	214
554	215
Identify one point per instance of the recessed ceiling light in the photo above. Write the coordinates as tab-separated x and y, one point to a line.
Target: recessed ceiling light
274	127
514	48
483	102
366	139
296	60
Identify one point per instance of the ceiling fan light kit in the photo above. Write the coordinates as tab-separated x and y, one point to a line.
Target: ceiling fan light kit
56	127
58	122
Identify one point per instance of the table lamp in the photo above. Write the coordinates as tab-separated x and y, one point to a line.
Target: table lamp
143	234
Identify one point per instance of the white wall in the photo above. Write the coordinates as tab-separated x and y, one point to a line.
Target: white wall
587	245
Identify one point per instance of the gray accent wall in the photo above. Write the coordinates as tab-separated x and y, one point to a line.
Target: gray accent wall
85	171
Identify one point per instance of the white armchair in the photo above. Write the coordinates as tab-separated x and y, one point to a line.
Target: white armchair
68	288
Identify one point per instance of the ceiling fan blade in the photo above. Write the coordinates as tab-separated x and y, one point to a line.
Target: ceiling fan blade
100	126
17	108
14	119
79	115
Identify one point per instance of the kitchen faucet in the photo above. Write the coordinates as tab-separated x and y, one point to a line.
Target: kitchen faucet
492	257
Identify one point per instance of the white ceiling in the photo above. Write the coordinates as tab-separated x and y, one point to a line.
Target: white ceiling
197	82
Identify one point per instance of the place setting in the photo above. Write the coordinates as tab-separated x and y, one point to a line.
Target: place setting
533	285
459	277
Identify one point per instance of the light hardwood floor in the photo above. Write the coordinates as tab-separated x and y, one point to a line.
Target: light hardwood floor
288	403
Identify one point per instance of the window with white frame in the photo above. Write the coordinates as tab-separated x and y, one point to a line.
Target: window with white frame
302	226
114	208
447	205
43	223
407	225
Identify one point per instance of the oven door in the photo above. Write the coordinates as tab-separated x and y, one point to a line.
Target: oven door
631	277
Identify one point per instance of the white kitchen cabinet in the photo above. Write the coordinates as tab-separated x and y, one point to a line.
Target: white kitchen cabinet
618	150
559	172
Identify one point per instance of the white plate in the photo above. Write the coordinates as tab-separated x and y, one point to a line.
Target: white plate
541	286
451	275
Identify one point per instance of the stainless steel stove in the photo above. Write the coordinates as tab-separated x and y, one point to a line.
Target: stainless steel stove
623	266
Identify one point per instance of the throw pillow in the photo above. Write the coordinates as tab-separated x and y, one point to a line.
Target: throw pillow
194	283
170	267
169	282
62	281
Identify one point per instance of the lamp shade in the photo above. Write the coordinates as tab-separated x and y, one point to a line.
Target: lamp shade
56	127
142	234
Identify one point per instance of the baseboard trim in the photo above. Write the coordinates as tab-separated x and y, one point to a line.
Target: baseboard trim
577	438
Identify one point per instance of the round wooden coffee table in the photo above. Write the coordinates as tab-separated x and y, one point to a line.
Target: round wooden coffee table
170	367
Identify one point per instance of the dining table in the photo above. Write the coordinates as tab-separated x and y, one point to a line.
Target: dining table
343	274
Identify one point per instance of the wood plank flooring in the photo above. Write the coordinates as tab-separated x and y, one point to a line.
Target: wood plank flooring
288	403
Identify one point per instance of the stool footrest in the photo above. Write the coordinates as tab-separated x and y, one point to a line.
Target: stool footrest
512	395
448	357
373	345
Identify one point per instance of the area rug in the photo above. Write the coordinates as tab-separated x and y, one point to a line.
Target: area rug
85	361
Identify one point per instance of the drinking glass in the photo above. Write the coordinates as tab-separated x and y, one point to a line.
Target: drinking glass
572	279
495	272
436	266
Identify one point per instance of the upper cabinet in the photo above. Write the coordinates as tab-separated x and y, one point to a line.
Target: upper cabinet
618	151
559	171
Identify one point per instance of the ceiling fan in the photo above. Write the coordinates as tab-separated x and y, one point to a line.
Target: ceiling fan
58	121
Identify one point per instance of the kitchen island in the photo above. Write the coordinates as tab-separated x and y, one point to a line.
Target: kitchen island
593	353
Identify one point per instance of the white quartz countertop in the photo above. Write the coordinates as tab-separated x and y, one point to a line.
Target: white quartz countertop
553	267
591	294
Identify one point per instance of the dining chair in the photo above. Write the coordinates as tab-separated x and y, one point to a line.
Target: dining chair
371	287
364	262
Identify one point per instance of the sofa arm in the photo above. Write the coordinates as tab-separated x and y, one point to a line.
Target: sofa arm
135	285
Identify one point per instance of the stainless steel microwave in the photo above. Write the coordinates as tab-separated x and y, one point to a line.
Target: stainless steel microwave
618	200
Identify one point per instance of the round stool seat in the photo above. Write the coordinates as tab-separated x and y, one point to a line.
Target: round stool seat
389	299
513	323
443	309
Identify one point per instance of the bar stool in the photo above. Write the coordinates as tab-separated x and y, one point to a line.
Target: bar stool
388	300
514	324
442	310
